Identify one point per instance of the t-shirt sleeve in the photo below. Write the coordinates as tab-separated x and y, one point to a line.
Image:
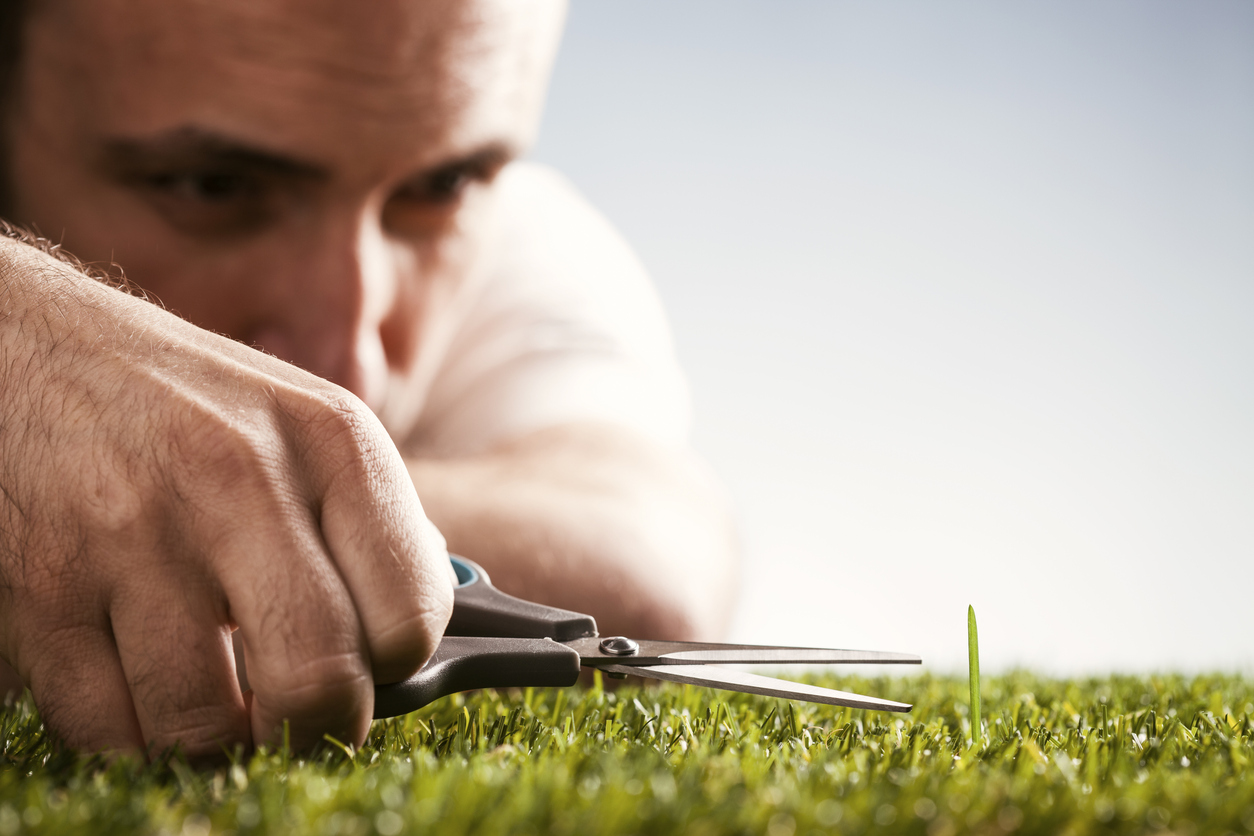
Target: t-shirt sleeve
562	325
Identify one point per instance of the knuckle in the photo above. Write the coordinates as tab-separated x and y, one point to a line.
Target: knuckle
403	647
112	503
220	446
198	734
414	621
186	705
54	645
67	690
348	433
77	725
212	455
337	415
328	685
52	594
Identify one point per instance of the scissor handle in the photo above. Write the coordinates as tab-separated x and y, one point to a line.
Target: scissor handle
463	663
480	609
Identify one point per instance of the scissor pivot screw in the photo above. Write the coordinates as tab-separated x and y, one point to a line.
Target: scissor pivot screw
618	646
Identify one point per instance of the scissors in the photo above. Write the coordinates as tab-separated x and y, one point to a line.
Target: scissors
495	640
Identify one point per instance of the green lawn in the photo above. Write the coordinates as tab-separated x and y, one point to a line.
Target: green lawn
1121	755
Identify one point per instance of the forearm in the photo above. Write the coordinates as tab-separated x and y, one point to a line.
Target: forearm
594	519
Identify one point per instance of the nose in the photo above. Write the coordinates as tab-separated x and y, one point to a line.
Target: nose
330	294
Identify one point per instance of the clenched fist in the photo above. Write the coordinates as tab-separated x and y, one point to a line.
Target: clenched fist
162	486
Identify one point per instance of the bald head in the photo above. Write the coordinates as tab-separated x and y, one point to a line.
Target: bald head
269	66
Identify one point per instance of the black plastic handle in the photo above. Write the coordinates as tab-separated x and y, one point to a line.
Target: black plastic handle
480	609
463	663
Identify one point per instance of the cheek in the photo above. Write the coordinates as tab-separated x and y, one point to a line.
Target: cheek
430	274
203	291
230	287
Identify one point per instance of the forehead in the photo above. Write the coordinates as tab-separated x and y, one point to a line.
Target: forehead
299	72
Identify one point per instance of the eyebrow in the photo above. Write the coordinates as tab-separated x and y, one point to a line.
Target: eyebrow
192	147
488	155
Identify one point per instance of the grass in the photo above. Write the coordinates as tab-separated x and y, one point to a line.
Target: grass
1118	755
973	664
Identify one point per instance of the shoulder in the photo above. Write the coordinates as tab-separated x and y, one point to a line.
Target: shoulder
561	324
557	270
534	196
548	236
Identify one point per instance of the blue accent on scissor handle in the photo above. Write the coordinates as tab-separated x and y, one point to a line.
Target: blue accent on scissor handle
480	609
464	569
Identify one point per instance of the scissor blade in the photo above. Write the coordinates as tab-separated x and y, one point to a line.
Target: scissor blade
700	653
751	683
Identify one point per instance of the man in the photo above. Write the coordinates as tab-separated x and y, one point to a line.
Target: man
335	185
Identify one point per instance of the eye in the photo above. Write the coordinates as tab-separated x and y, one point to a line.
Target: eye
208	186
431	202
447	184
443	187
210	201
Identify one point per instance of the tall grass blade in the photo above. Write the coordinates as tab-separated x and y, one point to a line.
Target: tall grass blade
973	661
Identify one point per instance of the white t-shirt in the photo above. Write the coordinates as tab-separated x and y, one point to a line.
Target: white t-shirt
559	323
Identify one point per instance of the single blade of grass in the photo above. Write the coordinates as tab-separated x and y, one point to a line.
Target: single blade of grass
973	661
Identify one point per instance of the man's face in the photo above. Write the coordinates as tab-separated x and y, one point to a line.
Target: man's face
309	177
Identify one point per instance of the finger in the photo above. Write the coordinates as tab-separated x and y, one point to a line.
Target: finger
393	560
174	644
81	692
303	646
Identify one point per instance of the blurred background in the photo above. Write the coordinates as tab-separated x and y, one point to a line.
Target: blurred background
965	293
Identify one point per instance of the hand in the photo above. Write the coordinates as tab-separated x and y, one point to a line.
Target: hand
161	485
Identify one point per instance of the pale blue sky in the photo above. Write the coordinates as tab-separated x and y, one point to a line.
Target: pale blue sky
965	294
